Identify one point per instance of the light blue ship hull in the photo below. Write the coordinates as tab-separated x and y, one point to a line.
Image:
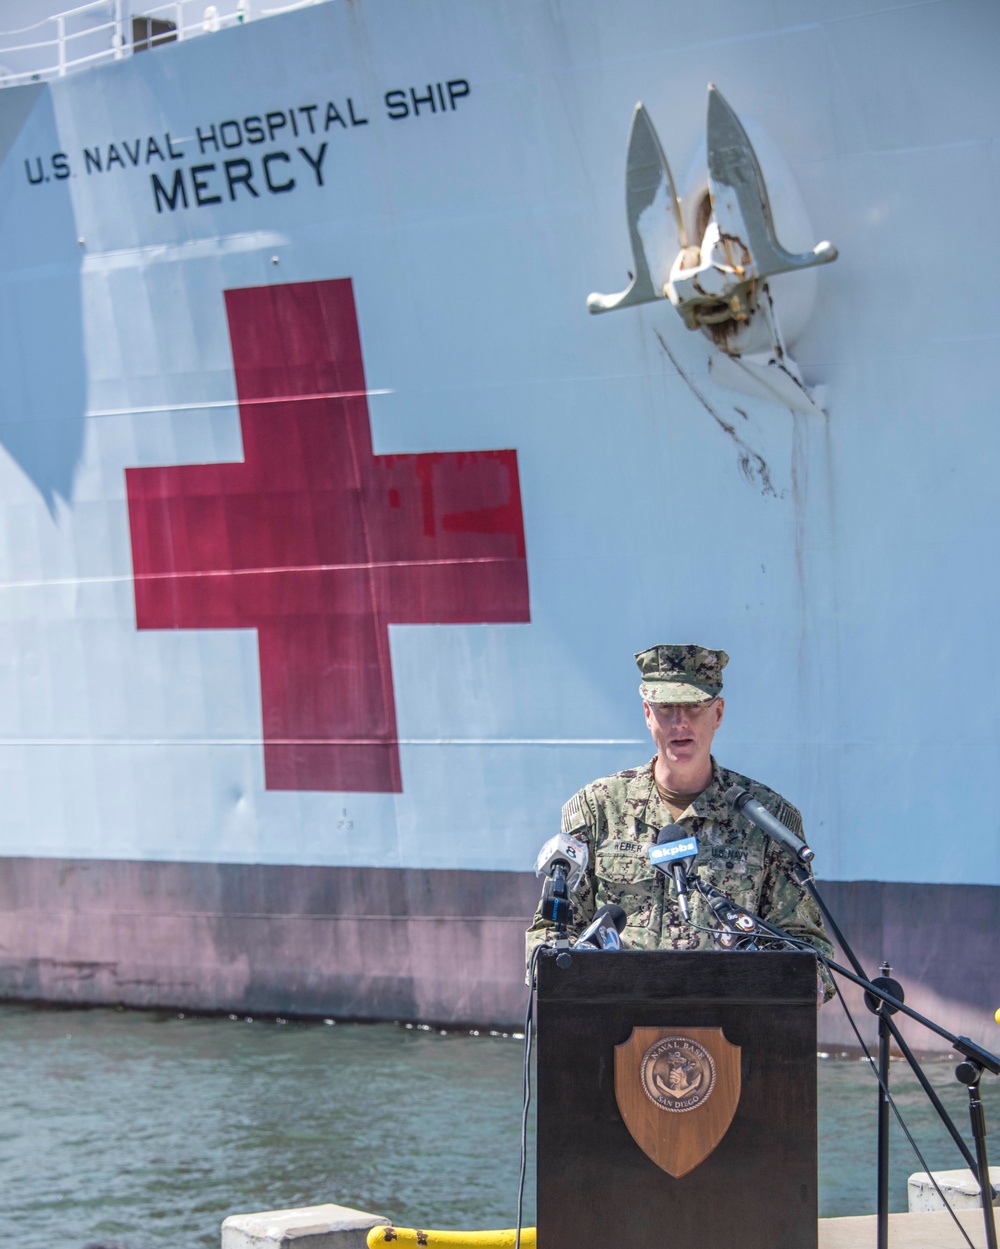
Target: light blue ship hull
330	803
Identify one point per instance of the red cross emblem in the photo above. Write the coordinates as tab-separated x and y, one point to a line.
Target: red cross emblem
319	544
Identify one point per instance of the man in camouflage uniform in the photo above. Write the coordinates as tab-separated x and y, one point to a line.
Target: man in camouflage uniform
619	817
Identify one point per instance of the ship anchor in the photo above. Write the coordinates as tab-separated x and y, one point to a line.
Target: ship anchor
719	284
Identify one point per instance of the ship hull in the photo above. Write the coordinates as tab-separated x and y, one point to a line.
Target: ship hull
440	947
330	519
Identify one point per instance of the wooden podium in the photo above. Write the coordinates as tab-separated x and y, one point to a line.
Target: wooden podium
648	1061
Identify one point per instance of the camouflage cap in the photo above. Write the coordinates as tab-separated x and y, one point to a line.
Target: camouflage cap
680	674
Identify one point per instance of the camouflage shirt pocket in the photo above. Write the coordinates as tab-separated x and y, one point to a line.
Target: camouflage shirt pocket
627	878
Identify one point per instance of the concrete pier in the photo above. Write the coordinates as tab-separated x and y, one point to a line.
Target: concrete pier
337	1227
959	1187
933	1230
309	1227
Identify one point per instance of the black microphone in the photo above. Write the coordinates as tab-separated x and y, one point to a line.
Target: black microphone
562	861
740	928
602	931
675	855
729	913
743	801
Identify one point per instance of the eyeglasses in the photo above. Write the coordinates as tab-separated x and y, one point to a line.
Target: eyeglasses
694	710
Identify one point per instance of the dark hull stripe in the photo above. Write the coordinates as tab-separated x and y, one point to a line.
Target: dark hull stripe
410	944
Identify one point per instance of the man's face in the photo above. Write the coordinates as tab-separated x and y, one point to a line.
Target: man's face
683	732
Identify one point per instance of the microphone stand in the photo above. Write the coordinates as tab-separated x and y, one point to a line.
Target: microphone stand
969	1072
885	1013
887	1028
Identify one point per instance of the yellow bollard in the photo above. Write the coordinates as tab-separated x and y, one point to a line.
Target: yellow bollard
401	1237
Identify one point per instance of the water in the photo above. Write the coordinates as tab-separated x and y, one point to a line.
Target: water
145	1130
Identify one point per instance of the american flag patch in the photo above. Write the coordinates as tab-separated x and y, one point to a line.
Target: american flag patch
572	815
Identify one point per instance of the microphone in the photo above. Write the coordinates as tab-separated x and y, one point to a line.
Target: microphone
675	856
602	931
562	861
566	855
729	913
741	929
738	928
743	801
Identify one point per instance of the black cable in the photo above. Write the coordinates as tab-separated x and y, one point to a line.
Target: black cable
895	1110
526	1092
759	935
775	941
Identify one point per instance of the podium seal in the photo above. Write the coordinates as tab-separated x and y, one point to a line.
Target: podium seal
677	1074
677	1090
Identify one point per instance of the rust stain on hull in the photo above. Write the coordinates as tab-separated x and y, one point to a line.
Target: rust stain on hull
752	466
